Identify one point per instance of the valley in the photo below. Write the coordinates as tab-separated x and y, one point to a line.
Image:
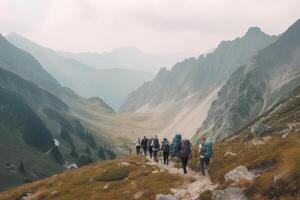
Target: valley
70	121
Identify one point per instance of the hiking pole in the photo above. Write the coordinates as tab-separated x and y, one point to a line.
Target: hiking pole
195	162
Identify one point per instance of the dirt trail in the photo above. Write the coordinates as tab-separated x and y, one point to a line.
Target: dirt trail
190	190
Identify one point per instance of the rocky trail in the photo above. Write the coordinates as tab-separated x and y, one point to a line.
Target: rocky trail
193	186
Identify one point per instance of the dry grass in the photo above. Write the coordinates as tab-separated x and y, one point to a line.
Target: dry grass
102	180
277	157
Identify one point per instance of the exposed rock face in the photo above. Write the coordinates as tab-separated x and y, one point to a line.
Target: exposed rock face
240	172
165	197
180	98
231	193
271	76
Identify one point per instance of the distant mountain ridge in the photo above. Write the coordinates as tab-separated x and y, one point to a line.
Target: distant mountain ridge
254	88
126	58
182	96
111	85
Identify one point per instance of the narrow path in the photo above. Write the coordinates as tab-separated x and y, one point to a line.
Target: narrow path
194	183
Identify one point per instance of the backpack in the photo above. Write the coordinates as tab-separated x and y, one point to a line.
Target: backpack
208	149
176	144
155	144
186	148
166	146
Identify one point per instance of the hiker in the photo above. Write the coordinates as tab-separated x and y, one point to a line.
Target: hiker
144	145
150	147
176	145
185	153
165	147
155	144
205	150
138	146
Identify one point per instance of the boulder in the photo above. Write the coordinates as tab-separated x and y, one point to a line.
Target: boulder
165	197
240	172
229	154
231	193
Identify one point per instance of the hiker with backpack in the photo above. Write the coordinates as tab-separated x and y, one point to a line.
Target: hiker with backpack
165	147
176	145
156	146
144	145
185	153
150	147
138	146
205	150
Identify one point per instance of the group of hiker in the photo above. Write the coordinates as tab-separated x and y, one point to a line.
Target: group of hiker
179	148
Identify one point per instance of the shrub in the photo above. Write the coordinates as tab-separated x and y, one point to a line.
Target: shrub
113	174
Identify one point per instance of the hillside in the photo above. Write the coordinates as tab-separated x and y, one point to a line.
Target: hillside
269	148
126	178
254	88
179	99
112	85
34	113
34	96
22	63
24	137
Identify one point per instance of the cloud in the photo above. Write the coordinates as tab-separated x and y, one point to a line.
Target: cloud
151	25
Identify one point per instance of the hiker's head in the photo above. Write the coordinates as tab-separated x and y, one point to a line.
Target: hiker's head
144	137
165	139
202	139
155	136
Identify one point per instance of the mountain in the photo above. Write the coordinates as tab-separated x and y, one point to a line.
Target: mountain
126	58
35	124
33	95
254	88
182	96
22	63
24	137
112	85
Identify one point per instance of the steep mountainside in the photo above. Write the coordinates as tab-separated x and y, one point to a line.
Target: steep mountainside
33	95
24	137
254	88
36	125
182	96
22	63
126	58
112	85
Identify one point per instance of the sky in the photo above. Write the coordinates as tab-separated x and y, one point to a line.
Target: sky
153	26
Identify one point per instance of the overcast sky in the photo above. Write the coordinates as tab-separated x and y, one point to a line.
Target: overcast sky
155	26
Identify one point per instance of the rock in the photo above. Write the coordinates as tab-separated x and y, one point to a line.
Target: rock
155	172
91	180
138	195
240	172
229	154
285	135
105	187
165	197
54	192
259	129
231	193
125	163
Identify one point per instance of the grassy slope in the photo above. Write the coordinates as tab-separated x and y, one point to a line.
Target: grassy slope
276	157
14	150
122	181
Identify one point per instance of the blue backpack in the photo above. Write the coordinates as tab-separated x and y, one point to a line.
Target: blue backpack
176	144
208	149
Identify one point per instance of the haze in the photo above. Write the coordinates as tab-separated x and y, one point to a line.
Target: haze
156	26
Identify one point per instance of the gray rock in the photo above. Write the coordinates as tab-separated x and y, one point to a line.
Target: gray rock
231	193
165	197
240	172
229	154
